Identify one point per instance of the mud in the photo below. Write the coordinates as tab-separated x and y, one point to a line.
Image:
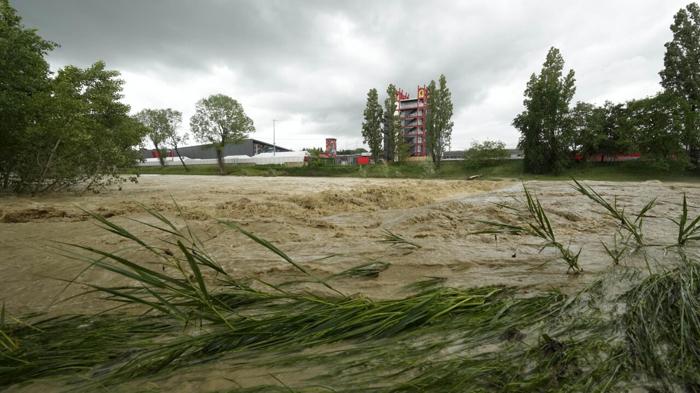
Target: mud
312	218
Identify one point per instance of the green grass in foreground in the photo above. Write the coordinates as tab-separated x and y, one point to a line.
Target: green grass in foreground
626	332
622	171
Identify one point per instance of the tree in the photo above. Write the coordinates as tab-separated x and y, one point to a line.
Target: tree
545	120
601	130
162	125
681	73
392	126
658	124
85	136
152	120
372	125
172	120
24	86
586	129
58	132
219	120
439	119
483	154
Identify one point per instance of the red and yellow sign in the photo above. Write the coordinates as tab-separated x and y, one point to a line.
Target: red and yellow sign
421	93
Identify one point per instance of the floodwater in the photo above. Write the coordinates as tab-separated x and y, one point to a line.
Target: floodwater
314	218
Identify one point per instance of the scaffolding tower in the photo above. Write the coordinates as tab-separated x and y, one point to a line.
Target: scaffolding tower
412	114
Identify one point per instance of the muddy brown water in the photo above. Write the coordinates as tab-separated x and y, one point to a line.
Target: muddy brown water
311	218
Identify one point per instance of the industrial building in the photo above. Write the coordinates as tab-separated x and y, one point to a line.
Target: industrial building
248	147
412	114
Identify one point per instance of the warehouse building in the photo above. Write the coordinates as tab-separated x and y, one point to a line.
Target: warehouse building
249	147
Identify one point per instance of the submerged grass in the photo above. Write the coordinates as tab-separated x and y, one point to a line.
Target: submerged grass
632	225
181	309
398	241
534	222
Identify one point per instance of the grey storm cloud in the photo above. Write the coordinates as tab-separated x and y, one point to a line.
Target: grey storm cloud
310	63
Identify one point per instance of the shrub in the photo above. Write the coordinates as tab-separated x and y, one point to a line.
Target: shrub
485	153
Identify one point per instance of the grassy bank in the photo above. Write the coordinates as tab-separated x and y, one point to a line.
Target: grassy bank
622	171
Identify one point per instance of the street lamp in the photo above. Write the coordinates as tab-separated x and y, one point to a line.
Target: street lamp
274	144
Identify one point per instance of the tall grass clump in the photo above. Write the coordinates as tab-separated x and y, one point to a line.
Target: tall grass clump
688	229
632	225
534	222
662	326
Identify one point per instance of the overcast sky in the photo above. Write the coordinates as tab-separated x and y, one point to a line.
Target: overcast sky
309	64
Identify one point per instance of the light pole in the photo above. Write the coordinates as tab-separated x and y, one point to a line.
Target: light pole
274	144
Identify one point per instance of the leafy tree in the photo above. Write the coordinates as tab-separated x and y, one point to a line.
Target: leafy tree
681	73
162	125
439	119
372	125
601	130
392	126
171	121
24	87
485	153
152	120
658	124
585	132
85	137
359	150
59	132
545	120
219	120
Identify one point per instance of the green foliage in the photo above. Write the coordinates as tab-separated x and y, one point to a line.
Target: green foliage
315	160
372	125
505	169
688	229
398	241
545	122
151	119
534	222
162	125
662	326
605	130
63	131
633	226
393	135
659	127
438	122
85	136
485	154
24	87
370	269
359	150
219	119
681	70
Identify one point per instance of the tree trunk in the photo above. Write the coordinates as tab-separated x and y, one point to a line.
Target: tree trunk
180	157
220	159
160	155
48	162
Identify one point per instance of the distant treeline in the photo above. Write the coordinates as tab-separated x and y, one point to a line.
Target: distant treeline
664	128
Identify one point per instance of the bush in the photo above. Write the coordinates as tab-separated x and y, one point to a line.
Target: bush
485	154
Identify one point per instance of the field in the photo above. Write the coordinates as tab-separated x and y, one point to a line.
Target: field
392	248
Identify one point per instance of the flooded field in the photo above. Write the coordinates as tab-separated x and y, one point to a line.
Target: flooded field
314	218
327	226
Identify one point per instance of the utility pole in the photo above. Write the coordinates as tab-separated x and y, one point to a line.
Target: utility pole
274	144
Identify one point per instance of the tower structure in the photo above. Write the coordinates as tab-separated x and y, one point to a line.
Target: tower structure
412	114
